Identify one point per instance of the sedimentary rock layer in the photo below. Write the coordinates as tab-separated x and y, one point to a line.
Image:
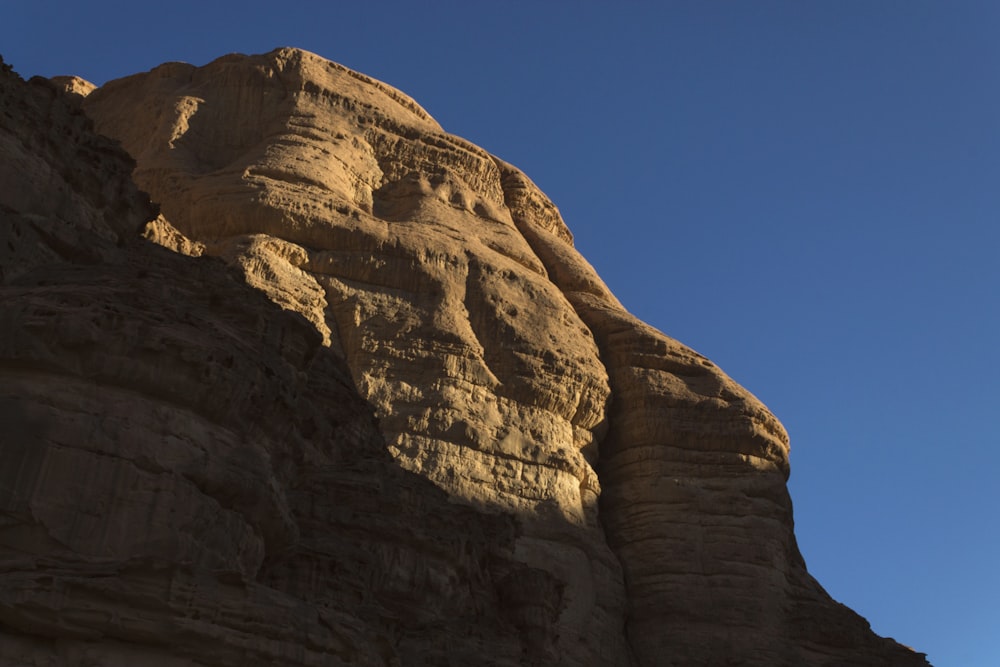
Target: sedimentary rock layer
549	480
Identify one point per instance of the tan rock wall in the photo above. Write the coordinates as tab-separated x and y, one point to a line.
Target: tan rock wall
197	479
500	366
189	476
357	210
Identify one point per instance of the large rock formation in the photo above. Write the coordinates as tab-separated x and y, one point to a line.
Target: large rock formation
197	480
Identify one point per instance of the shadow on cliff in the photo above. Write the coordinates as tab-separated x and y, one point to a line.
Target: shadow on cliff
183	458
189	475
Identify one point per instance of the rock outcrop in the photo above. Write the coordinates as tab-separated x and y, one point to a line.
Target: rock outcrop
373	408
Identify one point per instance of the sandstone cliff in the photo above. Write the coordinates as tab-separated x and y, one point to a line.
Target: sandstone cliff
373	408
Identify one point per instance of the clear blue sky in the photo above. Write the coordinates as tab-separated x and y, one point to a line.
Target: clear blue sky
805	192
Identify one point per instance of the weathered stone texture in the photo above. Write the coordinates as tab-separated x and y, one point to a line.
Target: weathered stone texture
189	476
343	200
549	480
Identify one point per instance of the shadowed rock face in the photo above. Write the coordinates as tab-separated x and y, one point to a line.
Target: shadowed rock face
549	480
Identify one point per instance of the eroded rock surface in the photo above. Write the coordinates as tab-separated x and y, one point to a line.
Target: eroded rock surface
549	480
189	476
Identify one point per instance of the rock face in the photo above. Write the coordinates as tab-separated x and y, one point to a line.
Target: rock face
374	408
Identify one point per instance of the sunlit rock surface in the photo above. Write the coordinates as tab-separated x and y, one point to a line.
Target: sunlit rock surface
373	408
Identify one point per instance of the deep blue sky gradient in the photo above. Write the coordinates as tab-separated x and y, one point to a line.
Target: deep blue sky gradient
805	192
